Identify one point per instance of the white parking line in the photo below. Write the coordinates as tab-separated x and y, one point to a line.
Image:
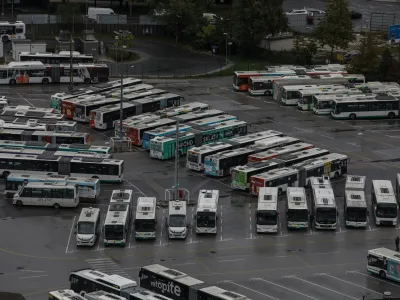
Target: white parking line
250	222
354	144
70	234
253	115
36	276
322	253
327	136
220	217
373	277
254	291
348	282
286	288
18	94
131	184
33	271
230	260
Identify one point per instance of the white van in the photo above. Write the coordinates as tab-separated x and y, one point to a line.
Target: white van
177	223
93	12
87	227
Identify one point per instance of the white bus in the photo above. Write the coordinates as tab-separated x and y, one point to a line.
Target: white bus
176	222
276	152
146	295
38	124
105	116
198	115
102	295
216	293
56	194
384	202
262	86
65	295
320	182
195	156
291	94
116	225
325	210
183	109
87	229
253	138
12	31
355	182
146	218
297	213
380	107
63	57
207	211
267	215
131	121
37	139
384	263
23	108
355	208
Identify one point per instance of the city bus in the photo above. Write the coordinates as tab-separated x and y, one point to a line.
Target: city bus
183	109
325	210
197	115
37	124
9	115
136	131
264	85
322	104
241	78
384	263
281	178
19	150
160	132
291	95
88	188
82	109
136	89
277	151
63	57
267	215
65	295
27	108
380	107
207	211
105	116
146	218
119	214
12	31
56	194
145	295
107	170
306	96
85	281
57	100
253	138
195	156
212	120
384	202
131	121
355	208
354	79
51	137
81	73
217	293
297	213
164	147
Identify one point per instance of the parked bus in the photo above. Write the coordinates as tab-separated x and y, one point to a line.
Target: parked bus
105	116
384	202
217	293
132	90
354	79
88	188
164	147
85	281
63	57
102	295
297	213
19	150
107	170
207	211
132	121
276	152
241	78
380	107
384	263
212	120
51	137
56	194
198	115
195	156
322	104
253	138
183	109
83	109
160	132
262	86
146	218
65	295
267	215
355	182
355	208
291	95
146	295
87	228
12	31
37	124
281	178
325	210
27	108
31	115
135	132
117	222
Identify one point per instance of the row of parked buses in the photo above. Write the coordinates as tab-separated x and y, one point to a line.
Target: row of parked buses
155	282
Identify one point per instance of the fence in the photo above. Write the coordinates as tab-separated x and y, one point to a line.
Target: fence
382	21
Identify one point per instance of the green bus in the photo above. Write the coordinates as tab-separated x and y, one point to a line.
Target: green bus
163	147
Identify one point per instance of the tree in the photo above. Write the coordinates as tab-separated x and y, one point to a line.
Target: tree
388	67
336	29
205	36
306	48
253	20
368	58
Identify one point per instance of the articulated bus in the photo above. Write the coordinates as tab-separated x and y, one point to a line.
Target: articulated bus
83	109
277	151
163	147
23	108
263	86
145	223
183	109
195	156
65	295
12	30
56	99
105	116
267	215
322	104
297	213
51	137
18	150
306	96
9	115
37	124
63	57
88	188
139	88
241	78
107	170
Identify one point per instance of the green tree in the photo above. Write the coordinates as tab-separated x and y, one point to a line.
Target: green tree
253	20
206	36
368	58
336	29
388	67
305	48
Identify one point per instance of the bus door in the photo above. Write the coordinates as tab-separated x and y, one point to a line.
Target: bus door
343	166
327	168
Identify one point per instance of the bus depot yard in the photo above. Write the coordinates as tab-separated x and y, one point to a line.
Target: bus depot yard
39	249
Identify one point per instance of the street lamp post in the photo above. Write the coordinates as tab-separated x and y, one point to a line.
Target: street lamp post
226	47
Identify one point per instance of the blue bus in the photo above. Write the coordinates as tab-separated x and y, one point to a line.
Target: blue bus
161	131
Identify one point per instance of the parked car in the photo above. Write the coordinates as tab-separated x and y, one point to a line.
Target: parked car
355	15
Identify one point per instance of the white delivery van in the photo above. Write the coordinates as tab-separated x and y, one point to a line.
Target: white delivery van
93	12
88	227
177	223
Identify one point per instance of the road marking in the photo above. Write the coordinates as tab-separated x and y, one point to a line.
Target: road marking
131	184
373	277
327	136
286	288
348	282
18	94
322	253
383	153
131	268
230	260
323	287
254	291
185	264
221	222
250	222
386	144
35	276
301	129
354	144
253	115
70	234
162	226
33	271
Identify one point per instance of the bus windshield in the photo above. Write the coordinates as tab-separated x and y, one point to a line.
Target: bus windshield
357	214
267	217
145	225
177	221
297	215
333	107
206	219
114	232
85	228
326	214
386	210
192	157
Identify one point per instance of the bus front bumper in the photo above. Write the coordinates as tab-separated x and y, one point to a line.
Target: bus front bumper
263	229
206	230
111	242
194	166
325	226
297	225
356	224
145	235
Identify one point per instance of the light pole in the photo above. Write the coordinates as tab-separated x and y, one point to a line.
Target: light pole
226	47
86	14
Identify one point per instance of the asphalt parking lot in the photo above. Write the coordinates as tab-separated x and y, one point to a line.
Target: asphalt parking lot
38	250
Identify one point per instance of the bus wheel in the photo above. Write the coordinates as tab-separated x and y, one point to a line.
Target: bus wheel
391	115
352	117
56	205
12	81
336	176
45	81
87	80
267	93
382	274
280	192
5	174
19	203
4	39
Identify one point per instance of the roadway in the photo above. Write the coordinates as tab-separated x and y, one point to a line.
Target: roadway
38	249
